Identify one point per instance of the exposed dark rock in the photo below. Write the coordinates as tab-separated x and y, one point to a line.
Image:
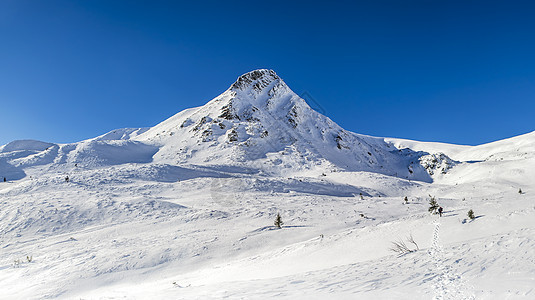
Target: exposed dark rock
200	124
207	135
263	78
233	136
227	112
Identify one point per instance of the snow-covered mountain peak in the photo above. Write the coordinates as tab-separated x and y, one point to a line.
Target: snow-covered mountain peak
257	97
256	80
260	122
260	89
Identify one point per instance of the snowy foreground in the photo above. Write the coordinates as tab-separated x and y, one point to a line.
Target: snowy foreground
185	210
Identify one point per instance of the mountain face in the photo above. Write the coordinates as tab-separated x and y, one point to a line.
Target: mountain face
257	124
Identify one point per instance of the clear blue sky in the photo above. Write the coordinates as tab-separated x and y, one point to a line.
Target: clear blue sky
452	71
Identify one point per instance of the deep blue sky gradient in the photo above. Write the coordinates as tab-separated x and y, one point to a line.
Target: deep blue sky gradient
451	71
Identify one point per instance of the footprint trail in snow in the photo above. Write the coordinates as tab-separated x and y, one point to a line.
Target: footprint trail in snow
447	284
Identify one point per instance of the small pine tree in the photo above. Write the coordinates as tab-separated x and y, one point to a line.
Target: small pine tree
471	214
433	205
278	221
520	191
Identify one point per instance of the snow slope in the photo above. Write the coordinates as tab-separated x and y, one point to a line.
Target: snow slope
185	210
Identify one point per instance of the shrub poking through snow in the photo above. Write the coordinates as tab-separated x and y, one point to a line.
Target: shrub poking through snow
400	247
433	206
471	214
16	263
278	221
520	191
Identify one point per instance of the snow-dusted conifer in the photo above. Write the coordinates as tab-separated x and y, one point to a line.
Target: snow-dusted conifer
278	221
471	214
433	205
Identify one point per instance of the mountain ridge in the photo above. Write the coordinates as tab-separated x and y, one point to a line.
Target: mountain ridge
258	123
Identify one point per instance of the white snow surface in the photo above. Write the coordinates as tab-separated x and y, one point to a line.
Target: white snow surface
185	210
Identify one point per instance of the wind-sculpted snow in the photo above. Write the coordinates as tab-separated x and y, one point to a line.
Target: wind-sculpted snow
122	134
25	145
306	185
92	154
114	152
47	156
17	155
159	173
7	170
